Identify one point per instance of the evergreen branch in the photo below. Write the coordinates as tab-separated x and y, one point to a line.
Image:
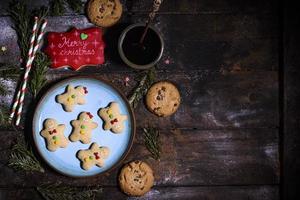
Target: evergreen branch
4	116
57	7
21	20
151	137
38	73
22	158
146	81
8	70
75	5
59	192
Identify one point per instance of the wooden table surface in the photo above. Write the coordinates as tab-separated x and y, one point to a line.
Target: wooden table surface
224	142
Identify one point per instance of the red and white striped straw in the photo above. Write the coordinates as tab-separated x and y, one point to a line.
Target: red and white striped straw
32	40
28	68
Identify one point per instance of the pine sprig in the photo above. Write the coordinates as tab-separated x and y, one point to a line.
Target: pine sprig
38	73
21	20
4	116
146	81
58	7
22	158
151	138
75	5
59	192
8	70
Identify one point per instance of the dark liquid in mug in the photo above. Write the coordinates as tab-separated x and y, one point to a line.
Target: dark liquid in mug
145	53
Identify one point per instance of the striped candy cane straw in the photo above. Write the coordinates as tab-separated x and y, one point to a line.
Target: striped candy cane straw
28	68
33	36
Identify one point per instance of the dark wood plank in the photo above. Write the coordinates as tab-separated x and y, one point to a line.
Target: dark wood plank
182	193
291	102
214	100
176	6
206	6
218	41
189	157
20	194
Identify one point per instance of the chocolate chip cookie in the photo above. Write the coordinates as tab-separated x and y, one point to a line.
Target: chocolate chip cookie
136	178
163	98
104	13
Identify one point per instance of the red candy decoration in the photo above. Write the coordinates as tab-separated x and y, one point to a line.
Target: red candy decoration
76	48
113	121
85	90
53	131
96	155
90	115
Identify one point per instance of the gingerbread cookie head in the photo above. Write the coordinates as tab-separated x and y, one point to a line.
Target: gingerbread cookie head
83	127
95	155
112	118
104	13
136	178
72	96
54	135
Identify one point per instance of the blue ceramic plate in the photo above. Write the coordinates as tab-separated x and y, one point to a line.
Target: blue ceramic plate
100	95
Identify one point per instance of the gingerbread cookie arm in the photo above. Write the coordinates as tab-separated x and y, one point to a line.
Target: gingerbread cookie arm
74	137
52	147
94	147
94	125
100	163
44	133
81	91
104	152
80	154
81	100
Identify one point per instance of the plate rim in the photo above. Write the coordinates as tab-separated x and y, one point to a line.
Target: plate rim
130	110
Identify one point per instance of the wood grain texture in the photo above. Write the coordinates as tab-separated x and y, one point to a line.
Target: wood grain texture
189	157
167	193
176	6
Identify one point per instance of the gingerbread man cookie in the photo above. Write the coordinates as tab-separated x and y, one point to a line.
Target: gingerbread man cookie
95	155
72	96
82	128
54	135
112	118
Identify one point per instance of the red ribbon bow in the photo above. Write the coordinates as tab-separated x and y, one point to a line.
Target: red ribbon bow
53	131
85	90
113	121
90	115
96	155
